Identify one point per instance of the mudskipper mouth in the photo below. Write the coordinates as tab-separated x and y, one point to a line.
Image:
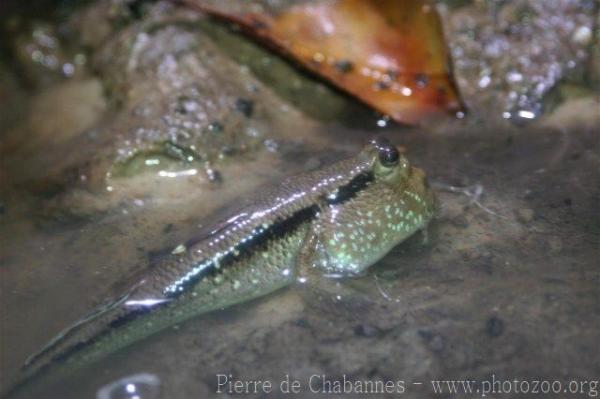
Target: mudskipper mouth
419	176
426	183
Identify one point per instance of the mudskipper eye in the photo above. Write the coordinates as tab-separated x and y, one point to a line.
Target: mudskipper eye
388	154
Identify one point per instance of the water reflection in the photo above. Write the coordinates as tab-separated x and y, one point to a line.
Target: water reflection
137	386
187	172
146	303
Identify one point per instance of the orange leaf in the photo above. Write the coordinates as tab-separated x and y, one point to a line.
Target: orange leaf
388	53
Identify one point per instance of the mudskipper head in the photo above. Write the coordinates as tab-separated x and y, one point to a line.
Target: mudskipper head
391	167
382	207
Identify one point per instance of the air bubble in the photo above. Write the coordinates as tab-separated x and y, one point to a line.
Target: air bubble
137	386
383	121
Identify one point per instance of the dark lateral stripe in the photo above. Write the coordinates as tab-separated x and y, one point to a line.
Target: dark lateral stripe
110	322
351	190
257	242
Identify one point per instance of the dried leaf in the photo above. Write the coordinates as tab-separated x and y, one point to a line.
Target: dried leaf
390	54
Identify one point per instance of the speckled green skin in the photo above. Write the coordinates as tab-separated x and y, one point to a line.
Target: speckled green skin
357	233
337	220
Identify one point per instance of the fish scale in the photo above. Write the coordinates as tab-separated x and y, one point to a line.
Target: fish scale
341	218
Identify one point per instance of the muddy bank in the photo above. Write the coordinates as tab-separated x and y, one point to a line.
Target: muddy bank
506	285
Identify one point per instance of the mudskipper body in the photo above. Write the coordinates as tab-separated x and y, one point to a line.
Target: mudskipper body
339	220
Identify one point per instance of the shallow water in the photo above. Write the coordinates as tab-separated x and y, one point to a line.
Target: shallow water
505	286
